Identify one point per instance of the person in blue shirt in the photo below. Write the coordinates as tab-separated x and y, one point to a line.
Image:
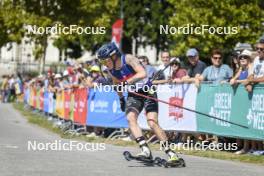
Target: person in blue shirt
217	72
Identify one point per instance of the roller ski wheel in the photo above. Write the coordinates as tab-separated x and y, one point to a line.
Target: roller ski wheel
178	163
157	161
127	155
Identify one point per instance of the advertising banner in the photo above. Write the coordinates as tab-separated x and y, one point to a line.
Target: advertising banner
104	110
233	104
171	117
80	105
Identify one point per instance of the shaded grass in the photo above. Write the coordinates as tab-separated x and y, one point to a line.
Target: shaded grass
38	119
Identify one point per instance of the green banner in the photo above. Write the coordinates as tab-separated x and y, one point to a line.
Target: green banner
233	104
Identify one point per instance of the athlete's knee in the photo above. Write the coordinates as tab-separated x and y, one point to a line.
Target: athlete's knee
132	118
153	124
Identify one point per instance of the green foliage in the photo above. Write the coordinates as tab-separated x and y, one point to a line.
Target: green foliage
248	16
97	13
11	23
142	20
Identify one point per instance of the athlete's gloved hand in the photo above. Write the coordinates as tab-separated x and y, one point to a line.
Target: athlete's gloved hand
123	83
122	104
149	83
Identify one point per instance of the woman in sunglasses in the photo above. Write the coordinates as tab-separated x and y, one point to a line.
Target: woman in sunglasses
243	71
177	71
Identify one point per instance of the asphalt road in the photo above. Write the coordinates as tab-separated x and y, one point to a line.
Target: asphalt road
16	159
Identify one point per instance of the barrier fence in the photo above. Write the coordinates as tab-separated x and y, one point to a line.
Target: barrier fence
98	108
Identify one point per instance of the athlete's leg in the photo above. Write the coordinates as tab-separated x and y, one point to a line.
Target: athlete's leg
133	108
152	119
151	108
133	125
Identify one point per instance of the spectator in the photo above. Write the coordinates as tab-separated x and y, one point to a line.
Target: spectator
196	67
243	71
11	88
58	85
235	61
257	74
177	71
18	87
66	81
217	72
4	88
149	69
165	58
95	77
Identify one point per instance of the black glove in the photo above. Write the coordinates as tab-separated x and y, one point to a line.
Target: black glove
122	104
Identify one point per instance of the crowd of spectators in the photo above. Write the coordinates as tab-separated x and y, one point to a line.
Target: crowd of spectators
11	87
244	69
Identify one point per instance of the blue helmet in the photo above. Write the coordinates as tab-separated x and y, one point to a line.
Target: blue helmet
107	50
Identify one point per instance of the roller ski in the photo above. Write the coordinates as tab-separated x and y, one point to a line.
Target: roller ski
171	162
143	159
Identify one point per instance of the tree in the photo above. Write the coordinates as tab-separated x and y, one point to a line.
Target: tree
97	14
142	22
11	23
247	15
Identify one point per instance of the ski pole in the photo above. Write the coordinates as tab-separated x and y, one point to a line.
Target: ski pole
188	109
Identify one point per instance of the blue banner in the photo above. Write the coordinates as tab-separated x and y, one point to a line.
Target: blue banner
104	110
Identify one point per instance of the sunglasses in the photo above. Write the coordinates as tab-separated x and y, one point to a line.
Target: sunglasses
259	49
191	57
243	57
175	64
217	58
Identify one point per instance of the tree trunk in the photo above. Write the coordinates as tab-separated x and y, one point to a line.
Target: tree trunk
43	57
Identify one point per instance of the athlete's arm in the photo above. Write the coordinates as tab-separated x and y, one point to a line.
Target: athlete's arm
116	82
135	64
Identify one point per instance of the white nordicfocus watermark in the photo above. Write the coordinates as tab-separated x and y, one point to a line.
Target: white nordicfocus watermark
130	88
59	29
204	145
190	29
58	145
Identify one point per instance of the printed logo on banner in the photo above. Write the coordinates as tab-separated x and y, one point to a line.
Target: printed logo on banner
115	106
221	108
99	106
255	114
175	111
